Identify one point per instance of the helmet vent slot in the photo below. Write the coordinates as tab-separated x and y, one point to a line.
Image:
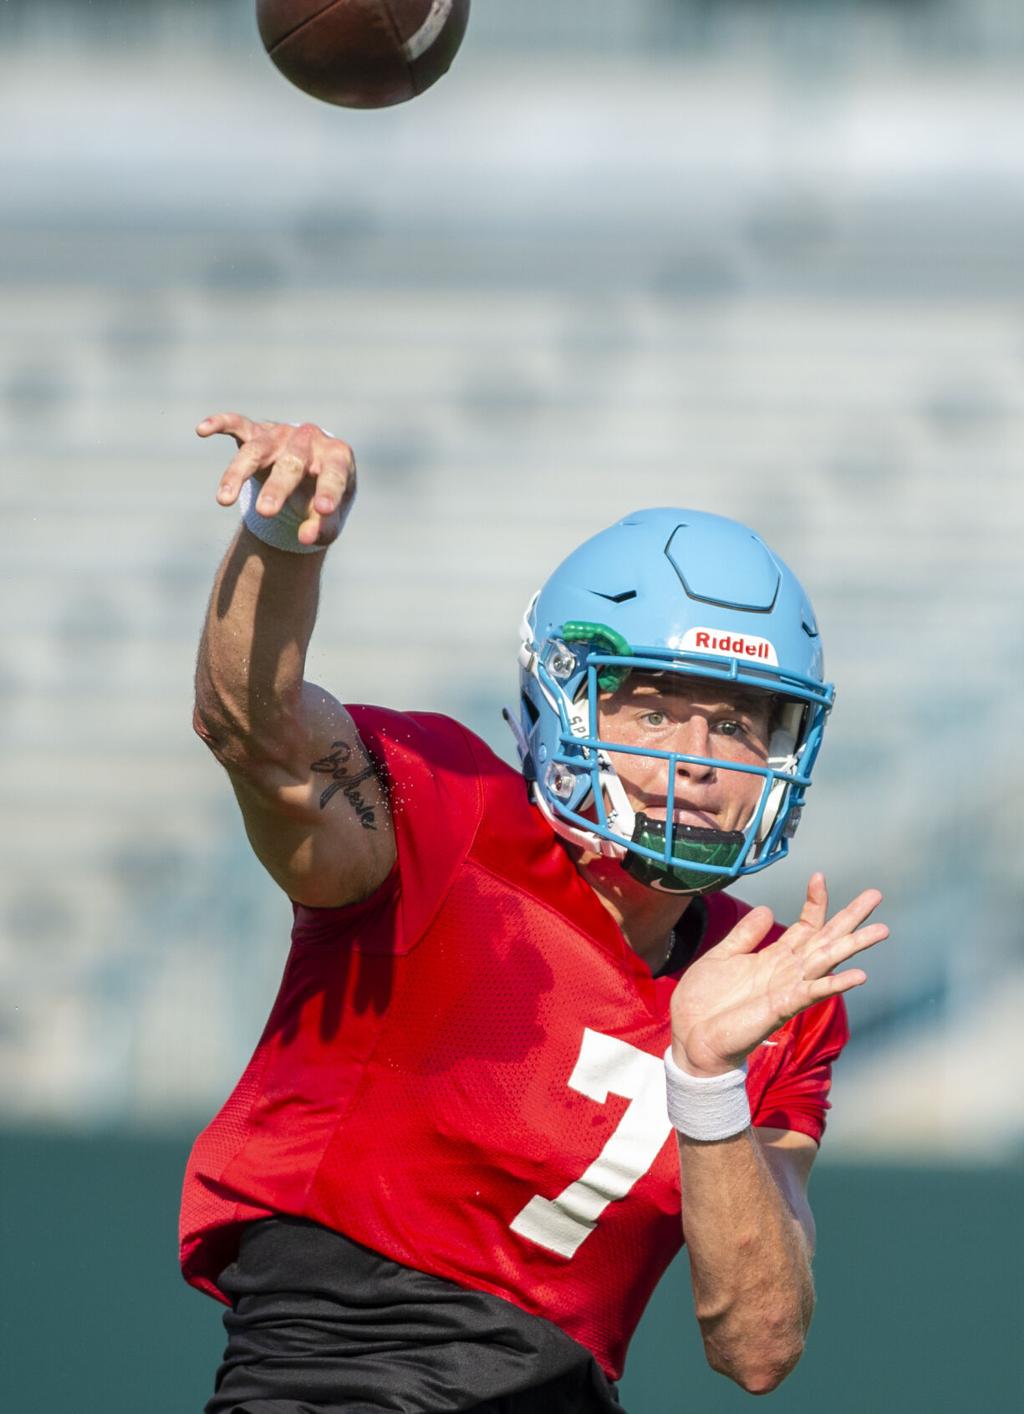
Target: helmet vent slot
622	598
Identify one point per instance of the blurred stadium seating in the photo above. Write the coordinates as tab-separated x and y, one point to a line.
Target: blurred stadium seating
762	256
723	254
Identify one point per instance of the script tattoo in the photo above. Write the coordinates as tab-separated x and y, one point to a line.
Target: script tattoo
347	778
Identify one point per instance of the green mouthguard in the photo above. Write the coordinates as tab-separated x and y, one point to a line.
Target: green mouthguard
690	845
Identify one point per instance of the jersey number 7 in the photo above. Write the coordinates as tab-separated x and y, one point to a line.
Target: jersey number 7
606	1066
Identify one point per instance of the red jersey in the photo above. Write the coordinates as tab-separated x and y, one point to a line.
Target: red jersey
464	1072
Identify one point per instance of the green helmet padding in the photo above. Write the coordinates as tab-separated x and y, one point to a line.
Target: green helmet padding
605	640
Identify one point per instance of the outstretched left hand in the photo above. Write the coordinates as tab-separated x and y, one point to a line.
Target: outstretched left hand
733	998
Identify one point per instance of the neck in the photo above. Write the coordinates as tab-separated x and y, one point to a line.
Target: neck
645	916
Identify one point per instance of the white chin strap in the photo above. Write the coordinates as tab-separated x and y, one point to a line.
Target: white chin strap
583	839
620	817
782	756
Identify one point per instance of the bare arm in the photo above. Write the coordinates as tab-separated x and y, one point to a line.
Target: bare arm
749	1235
748	1225
314	810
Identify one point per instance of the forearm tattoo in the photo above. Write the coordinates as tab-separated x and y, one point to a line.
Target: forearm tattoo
347	776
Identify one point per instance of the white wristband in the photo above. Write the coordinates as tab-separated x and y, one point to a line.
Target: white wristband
706	1106
281	531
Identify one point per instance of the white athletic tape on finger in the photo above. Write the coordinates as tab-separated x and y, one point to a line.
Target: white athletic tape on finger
706	1106
280	531
417	44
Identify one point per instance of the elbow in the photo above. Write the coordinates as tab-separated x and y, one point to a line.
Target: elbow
205	727
242	750
216	734
759	1375
763	1378
758	1365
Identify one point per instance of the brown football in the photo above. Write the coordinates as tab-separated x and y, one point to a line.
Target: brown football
362	53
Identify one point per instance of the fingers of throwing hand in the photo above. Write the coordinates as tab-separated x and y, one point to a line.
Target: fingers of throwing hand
287	473
335	475
247	461
231	423
309	532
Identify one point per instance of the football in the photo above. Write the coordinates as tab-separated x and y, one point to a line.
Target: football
362	53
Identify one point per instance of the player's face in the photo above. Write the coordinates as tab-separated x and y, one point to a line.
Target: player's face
666	713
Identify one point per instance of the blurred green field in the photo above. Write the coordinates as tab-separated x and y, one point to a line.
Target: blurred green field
919	1280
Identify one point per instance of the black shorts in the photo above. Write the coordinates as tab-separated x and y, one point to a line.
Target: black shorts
321	1325
570	1394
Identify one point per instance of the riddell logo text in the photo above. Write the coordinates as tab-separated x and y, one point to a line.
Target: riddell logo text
730	645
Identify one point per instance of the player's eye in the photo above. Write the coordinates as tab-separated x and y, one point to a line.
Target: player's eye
742	734
731	727
654	719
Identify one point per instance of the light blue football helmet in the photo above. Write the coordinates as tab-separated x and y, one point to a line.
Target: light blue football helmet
671	592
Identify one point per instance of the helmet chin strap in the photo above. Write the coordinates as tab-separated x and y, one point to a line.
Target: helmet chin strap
584	839
782	756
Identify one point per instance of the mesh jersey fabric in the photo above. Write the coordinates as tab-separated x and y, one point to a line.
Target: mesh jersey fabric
464	1070
318	1322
